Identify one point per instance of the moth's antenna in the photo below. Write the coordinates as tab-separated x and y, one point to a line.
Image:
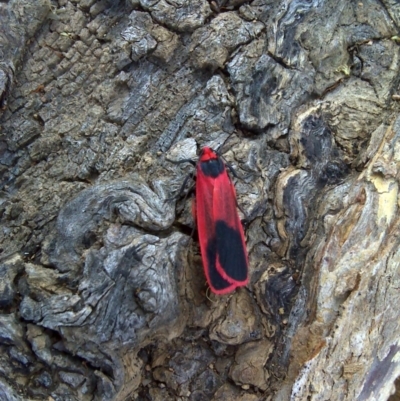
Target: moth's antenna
218	150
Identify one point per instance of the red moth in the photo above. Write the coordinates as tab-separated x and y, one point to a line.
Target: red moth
222	245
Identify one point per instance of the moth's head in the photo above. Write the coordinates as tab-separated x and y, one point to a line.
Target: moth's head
208	154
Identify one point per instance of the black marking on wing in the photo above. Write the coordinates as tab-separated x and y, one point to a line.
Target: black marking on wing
228	247
212	168
217	281
231	252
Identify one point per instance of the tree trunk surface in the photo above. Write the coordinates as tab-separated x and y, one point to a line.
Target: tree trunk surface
102	290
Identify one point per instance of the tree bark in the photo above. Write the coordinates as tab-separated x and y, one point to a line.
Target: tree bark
102	294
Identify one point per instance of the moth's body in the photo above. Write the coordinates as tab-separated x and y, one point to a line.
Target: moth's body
221	237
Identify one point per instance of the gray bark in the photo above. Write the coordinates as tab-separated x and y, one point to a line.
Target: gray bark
102	294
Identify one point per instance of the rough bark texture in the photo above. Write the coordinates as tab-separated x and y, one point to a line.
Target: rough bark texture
102	295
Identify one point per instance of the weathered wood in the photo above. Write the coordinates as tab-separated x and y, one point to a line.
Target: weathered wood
102	294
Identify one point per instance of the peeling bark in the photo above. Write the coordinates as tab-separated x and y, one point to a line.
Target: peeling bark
102	294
